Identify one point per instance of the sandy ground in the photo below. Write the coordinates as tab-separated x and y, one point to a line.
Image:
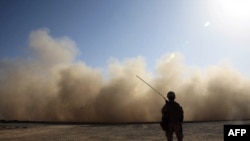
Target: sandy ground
198	131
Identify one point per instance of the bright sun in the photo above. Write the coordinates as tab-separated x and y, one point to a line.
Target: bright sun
231	16
238	9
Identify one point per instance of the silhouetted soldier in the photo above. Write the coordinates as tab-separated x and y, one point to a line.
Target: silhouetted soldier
172	118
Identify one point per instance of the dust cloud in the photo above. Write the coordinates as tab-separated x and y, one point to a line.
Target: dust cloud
51	85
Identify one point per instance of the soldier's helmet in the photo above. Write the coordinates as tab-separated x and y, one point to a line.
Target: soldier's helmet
171	95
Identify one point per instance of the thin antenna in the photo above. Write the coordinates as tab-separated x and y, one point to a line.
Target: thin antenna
151	87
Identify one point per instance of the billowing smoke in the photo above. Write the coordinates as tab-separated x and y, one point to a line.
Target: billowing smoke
50	85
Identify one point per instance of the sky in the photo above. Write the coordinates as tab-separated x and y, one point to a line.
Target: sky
204	32
72	60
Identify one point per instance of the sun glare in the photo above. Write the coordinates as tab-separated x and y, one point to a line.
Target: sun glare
232	17
236	8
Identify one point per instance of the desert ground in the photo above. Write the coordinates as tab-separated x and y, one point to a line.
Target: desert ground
193	131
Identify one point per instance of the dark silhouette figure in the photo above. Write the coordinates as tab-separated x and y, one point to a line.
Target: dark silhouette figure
172	118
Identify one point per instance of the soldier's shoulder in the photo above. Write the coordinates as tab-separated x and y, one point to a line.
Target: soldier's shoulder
178	104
